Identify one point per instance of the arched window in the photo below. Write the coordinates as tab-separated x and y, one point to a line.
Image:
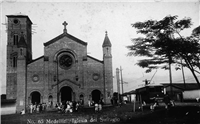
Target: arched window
14	62
15	39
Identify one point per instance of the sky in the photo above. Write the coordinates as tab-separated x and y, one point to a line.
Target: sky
89	20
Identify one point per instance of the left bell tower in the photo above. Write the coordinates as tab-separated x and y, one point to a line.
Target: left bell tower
19	53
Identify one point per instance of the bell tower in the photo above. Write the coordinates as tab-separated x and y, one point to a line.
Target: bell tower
21	74
108	75
17	26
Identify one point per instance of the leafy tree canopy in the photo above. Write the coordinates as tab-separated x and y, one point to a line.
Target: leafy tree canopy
196	32
162	44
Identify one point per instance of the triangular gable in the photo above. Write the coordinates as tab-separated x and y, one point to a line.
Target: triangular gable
65	35
94	59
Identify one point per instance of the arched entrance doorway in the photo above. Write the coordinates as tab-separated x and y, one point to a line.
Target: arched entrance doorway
35	97
66	94
96	95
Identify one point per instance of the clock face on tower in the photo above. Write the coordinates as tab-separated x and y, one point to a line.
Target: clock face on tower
66	61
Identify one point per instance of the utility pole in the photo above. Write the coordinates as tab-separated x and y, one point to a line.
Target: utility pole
183	75
122	80
118	82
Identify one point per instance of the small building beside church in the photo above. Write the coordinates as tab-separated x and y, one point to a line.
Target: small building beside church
64	73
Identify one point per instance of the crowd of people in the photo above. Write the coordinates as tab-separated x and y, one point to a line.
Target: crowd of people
68	106
97	105
36	108
65	106
155	103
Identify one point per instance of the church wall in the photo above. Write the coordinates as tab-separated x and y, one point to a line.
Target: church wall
108	77
11	86
94	74
11	72
65	43
51	51
35	79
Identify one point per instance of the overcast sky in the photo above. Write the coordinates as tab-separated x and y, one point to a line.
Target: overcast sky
88	21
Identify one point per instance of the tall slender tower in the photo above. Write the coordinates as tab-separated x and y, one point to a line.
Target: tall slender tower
108	73
21	74
118	80
19	53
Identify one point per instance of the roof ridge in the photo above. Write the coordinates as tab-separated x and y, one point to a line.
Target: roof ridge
64	35
95	58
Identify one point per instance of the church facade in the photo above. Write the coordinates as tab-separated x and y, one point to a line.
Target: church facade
64	73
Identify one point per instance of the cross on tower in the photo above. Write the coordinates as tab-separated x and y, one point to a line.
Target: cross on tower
65	24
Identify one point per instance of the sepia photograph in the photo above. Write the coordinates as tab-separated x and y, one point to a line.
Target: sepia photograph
100	61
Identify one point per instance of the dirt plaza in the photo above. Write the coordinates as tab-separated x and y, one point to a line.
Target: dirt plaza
182	113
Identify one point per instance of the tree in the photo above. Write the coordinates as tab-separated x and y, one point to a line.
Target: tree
195	37
163	45
196	32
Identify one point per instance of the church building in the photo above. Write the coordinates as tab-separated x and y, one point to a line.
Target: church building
64	73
